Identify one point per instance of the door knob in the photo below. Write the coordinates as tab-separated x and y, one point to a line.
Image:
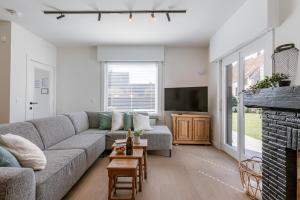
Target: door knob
33	103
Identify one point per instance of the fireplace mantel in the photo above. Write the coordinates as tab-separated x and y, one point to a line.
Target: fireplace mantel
284	98
280	138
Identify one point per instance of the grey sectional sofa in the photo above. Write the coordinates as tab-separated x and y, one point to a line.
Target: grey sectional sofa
71	143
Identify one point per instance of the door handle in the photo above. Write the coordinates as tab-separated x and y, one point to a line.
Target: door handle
33	103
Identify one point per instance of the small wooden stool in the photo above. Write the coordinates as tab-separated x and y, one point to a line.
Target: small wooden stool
137	155
143	145
122	167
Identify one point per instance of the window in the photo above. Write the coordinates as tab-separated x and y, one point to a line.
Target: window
132	86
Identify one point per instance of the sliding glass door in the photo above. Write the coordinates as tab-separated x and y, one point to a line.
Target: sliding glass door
253	66
230	103
242	127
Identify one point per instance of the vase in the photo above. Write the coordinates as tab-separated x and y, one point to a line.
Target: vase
136	139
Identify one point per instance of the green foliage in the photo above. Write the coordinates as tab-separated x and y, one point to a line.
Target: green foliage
234	101
253	125
277	77
268	82
138	133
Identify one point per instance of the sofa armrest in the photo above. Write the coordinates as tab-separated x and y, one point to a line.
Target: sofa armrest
17	183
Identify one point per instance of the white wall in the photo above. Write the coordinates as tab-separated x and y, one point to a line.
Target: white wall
78	80
78	75
253	19
5	30
130	53
214	99
289	29
25	45
186	67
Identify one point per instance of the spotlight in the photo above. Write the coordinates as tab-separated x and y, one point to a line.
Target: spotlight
60	16
168	16
99	16
153	17
130	17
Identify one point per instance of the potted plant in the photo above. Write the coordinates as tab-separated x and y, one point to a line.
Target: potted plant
276	80
137	136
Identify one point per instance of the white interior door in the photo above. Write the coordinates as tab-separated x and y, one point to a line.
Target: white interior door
39	90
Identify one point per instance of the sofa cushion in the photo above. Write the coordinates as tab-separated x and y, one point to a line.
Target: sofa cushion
105	119
93	119
63	170
17	184
159	138
94	131
117	121
7	159
93	144
141	122
80	121
28	154
128	119
24	129
54	129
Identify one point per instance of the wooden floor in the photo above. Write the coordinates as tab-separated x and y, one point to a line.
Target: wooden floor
193	173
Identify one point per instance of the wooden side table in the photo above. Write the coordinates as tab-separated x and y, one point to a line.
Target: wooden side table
122	167
143	145
137	155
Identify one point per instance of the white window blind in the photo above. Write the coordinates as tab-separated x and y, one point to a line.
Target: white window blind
132	87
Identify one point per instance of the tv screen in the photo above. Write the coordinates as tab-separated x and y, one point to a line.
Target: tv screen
186	99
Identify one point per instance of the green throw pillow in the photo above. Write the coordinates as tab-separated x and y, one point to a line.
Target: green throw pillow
128	121
105	120
7	159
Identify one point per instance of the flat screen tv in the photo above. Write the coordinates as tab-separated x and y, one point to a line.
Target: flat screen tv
193	99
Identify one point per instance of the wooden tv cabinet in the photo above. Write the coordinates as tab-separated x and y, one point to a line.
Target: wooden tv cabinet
191	129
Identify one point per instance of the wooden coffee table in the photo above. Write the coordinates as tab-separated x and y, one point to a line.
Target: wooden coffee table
138	155
143	145
122	167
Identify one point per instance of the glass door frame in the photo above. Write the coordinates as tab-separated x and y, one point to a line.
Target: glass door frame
265	42
234	152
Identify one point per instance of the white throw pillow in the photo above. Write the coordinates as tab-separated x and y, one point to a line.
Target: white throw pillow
28	154
141	122
117	121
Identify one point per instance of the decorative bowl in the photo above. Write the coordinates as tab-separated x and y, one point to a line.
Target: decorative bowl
120	149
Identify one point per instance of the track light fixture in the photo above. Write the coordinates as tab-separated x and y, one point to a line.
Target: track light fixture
168	17
99	16
153	17
62	13
60	16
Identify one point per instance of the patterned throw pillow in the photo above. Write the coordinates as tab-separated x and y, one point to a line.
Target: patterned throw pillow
7	159
105	119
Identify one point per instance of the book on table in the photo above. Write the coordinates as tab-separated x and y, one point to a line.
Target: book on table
120	142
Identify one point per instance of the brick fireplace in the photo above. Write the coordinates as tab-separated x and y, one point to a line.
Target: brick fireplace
281	139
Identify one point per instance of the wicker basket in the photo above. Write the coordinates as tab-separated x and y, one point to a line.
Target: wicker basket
251	177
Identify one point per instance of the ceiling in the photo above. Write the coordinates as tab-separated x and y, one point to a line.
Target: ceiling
202	20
